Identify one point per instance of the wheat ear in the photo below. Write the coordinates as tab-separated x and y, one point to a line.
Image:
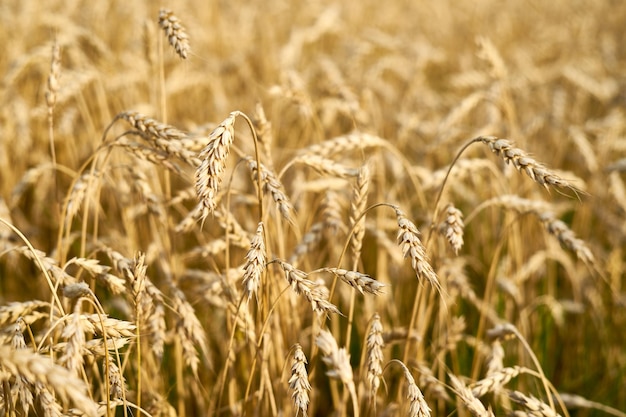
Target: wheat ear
175	32
255	263
213	157
418	407
338	361
452	227
37	368
316	294
472	403
533	406
374	346
412	247
299	381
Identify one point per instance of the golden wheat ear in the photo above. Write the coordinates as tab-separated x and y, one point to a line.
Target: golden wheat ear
175	32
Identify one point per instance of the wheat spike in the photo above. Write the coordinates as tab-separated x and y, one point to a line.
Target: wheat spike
213	157
374	346
412	247
523	162
175	32
299	380
255	263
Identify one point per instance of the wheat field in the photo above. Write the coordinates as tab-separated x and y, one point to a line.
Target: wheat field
323	208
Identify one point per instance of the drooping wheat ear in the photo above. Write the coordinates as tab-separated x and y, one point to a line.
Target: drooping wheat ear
505	330
312	237
533	406
332	213
37	368
316	293
156	319
452	227
362	282
412	247
418	407
213	157
350	142
26	310
576	401
175	32
326	166
114	328
148	153
523	162
255	263
273	186
338	361
502	332
21	386
299	381
74	333
472	403
116	382
357	206
431	385
77	290
151	127
236	233
449	339
567	237
191	219
189	330
51	265
548	218
150	200
169	139
495	362
96	347
495	381
49	405
374	354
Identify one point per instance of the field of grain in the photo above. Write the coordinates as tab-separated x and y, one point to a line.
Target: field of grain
322	208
